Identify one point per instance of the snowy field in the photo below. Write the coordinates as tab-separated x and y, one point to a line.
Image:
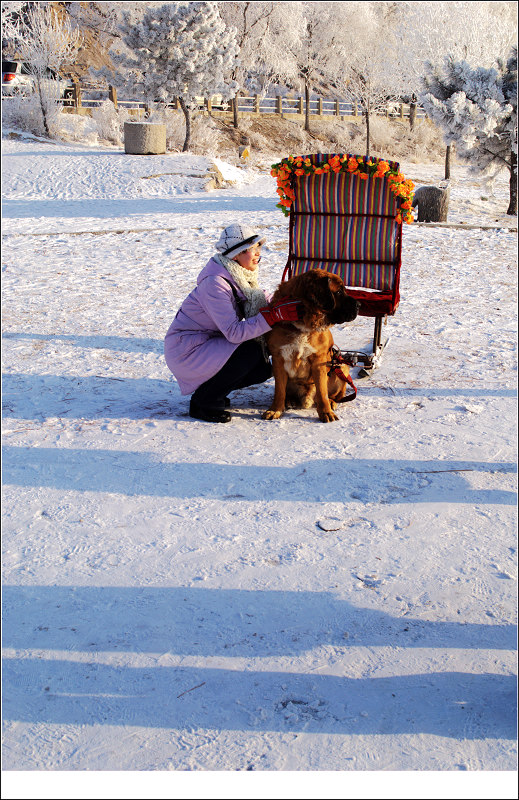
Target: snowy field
280	596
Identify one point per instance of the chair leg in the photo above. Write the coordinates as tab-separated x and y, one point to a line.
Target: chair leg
377	336
369	360
372	360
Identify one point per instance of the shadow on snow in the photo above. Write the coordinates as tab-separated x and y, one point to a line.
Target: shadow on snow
342	479
175	621
110	209
27	396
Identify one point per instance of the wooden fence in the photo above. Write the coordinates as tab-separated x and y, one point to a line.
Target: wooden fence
84	99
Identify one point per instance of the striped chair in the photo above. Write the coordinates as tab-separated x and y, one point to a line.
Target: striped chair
349	226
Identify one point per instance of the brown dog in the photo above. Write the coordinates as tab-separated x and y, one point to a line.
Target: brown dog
301	351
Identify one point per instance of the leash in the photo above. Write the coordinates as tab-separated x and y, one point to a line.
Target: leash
336	366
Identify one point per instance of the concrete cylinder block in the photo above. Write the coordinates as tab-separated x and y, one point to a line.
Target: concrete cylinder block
144	138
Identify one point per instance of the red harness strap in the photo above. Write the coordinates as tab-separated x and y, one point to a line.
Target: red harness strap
337	360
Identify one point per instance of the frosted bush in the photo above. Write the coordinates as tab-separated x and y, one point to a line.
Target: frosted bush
109	122
205	136
175	130
336	133
257	141
77	128
25	114
390	138
297	133
386	137
426	138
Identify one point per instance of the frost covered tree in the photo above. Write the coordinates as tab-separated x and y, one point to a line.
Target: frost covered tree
45	41
11	20
264	40
475	32
179	50
476	108
96	21
369	67
98	17
313	51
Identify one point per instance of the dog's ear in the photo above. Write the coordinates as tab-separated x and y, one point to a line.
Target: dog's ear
283	290
319	292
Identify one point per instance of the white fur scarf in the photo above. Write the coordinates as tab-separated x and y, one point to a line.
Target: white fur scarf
247	280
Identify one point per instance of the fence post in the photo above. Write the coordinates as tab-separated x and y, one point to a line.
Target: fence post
320	106
209	105
256	107
401	110
279	105
112	95
337	109
300	109
412	112
355	109
76	93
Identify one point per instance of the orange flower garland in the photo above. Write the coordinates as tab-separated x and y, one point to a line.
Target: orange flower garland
357	165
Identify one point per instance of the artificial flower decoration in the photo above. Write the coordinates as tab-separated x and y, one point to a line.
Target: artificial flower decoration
401	187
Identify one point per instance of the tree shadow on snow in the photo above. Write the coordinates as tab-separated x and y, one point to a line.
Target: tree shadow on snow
40	397
168	622
111	209
126	344
341	479
28	396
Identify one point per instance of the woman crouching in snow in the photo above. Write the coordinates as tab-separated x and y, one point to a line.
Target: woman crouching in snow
213	345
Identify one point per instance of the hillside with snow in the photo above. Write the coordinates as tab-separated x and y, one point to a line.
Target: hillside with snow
275	596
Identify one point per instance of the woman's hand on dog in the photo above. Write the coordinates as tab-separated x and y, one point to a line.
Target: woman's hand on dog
285	310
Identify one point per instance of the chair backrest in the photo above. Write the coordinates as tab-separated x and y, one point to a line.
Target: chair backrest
346	224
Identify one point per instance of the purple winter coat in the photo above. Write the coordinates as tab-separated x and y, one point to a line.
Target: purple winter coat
207	329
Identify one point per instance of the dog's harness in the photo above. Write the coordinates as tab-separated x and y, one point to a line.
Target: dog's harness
337	360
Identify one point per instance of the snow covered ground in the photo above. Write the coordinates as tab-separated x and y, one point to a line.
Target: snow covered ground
280	596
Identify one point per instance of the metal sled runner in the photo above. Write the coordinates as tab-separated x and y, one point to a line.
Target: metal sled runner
346	216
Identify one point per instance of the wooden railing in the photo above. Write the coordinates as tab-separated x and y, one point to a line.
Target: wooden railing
87	98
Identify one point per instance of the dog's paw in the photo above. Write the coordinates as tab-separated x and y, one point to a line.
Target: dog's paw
327	416
271	414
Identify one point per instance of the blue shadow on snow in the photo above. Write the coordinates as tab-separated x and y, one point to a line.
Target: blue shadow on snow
170	621
29	396
126	344
193	621
101	208
340	479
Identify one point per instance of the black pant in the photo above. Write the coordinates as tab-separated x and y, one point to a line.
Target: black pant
246	366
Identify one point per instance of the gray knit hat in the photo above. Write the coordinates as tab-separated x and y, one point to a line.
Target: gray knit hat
237	238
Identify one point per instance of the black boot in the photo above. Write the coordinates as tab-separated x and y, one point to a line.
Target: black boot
208	414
